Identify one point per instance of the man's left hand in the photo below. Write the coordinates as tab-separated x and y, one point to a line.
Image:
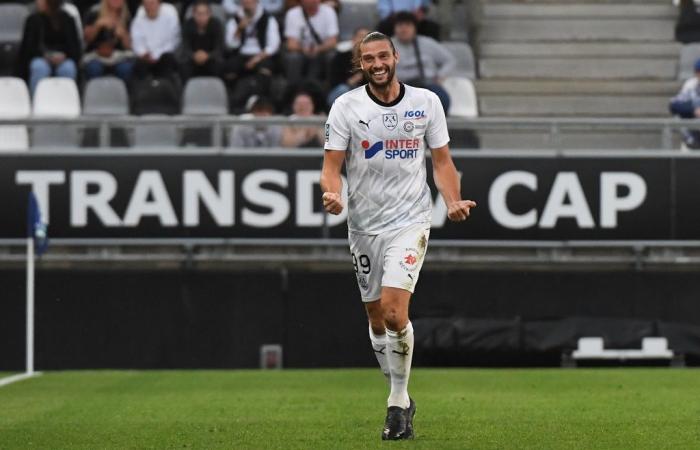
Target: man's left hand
459	211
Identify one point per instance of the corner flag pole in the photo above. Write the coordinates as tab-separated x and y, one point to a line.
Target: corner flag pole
37	243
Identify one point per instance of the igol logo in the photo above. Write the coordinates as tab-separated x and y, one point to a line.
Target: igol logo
395	148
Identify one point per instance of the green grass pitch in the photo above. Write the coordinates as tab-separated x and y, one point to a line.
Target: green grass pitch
316	409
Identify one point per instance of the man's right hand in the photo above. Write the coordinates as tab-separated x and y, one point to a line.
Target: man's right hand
332	203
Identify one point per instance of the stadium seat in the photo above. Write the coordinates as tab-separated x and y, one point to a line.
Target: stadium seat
462	97
465	59
155	135
355	15
105	96
12	17
686	61
205	96
14	104
56	98
155	96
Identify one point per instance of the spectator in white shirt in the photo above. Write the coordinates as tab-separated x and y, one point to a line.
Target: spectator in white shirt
253	40
155	36
311	32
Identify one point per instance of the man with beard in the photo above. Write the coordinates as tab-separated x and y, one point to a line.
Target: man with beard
381	131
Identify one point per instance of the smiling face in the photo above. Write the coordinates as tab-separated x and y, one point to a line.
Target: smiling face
378	62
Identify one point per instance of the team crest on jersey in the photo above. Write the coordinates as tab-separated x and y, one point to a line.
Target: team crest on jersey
409	261
390	120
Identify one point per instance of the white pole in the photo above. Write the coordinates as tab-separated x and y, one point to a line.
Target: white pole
30	306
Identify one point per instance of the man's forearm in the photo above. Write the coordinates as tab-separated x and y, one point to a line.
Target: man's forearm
447	182
331	182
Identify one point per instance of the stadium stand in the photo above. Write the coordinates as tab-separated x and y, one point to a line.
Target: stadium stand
569	59
14	104
56	98
203	96
12	17
155	96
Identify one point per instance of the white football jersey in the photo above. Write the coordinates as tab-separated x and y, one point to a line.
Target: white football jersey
385	145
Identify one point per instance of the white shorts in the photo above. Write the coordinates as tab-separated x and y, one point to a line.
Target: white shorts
392	259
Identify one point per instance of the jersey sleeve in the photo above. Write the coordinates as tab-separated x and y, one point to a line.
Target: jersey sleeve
337	129
436	134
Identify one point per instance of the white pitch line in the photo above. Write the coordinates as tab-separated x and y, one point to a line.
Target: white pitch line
18	377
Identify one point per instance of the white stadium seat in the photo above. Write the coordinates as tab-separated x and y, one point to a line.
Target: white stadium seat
56	98
463	101
204	96
14	104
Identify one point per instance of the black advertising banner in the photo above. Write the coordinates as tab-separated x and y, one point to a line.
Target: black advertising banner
273	195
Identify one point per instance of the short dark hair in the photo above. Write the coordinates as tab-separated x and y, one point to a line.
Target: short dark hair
405	17
201	3
374	36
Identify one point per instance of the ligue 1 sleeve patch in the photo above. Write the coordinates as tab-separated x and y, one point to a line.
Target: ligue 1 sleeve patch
328	132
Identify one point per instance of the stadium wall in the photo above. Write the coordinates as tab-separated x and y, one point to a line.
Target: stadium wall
199	319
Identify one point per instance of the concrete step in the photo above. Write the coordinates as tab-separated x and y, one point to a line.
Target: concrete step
576	87
581	49
573	105
582	68
581	140
534	30
580	10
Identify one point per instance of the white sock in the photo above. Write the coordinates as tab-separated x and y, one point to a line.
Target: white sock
379	347
399	352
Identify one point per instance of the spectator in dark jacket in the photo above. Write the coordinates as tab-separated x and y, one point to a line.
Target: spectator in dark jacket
202	43
50	44
108	41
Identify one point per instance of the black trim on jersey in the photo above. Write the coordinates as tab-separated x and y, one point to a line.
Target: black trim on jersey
396	101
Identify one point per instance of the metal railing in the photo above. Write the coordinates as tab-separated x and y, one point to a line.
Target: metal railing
553	128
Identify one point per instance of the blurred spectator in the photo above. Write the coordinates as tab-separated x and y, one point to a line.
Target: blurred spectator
388	9
423	62
50	44
686	104
201	53
302	136
253	37
108	41
688	24
247	136
311	32
155	35
343	76
271	6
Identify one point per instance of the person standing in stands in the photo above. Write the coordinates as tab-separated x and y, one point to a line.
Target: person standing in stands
201	53
389	9
253	40
686	105
155	35
424	61
311	32
108	41
50	44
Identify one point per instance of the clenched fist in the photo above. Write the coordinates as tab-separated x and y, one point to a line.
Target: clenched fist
459	211
332	203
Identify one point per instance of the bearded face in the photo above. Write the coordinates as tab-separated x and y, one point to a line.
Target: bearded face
378	63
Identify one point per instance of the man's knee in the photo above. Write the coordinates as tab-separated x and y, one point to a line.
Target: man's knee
375	317
395	308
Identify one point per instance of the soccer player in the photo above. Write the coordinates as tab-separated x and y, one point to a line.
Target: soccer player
381	131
